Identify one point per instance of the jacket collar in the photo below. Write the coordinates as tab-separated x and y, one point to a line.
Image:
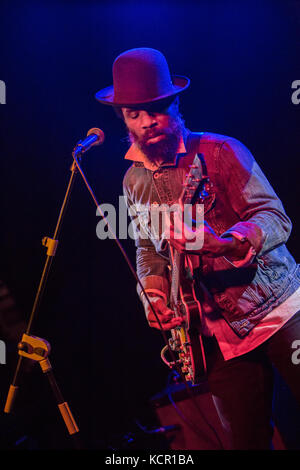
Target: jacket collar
135	154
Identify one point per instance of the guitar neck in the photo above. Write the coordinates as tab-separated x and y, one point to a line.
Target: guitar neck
175	281
190	189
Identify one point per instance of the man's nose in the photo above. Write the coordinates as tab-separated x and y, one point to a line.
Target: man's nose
148	120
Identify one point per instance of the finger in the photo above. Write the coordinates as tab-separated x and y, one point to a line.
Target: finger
173	323
162	308
179	240
162	317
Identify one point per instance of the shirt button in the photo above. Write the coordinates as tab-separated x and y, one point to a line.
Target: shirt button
156	175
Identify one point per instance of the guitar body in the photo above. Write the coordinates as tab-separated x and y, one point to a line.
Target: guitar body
187	340
193	315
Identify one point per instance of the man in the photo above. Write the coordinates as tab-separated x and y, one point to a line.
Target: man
248	281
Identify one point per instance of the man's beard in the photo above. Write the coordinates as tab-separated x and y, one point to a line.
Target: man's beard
165	149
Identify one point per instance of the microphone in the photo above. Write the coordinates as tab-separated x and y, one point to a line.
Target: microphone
94	137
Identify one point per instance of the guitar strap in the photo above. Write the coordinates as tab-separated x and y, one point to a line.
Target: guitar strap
194	157
195	264
193	144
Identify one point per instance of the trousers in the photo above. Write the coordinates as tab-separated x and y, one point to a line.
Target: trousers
242	387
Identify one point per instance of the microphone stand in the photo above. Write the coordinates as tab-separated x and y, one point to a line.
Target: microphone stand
38	349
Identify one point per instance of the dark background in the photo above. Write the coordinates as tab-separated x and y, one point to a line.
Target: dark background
242	58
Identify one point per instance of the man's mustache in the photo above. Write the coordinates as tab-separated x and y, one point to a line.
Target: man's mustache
150	134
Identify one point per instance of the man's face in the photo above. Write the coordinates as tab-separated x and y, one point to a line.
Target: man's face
156	130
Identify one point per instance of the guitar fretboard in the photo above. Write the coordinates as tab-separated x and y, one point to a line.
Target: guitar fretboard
190	188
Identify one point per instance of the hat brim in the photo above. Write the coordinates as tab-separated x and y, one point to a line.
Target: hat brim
106	95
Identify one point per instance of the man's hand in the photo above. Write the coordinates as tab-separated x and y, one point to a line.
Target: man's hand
212	245
164	314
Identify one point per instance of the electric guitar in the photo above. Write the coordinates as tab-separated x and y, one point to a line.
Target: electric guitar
186	340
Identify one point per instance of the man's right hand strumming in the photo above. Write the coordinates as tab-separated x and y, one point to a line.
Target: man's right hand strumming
164	314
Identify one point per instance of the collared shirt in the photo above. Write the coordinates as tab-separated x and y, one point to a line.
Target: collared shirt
135	154
231	344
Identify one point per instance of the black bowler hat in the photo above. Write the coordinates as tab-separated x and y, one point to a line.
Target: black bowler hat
141	76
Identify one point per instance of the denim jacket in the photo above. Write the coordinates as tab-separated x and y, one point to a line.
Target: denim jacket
241	202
